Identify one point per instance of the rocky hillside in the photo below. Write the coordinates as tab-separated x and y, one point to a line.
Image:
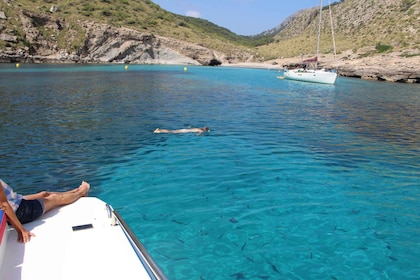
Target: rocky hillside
392	24
124	31
139	31
374	39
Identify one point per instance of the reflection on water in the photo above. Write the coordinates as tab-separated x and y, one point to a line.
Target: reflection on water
395	121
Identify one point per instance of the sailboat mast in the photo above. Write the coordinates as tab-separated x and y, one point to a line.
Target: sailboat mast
319	33
332	29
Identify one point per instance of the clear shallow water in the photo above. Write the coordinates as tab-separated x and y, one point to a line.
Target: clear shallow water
294	181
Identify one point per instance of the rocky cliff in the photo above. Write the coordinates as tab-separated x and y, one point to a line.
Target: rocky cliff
102	43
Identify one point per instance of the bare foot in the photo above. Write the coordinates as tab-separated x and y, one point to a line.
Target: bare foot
84	188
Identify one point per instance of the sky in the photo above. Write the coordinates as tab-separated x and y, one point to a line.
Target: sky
243	17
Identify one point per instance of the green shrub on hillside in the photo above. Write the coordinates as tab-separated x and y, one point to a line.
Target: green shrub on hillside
383	48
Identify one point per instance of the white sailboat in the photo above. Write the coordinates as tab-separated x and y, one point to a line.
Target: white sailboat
314	75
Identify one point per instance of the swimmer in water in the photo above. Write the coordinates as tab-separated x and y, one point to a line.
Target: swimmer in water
183	130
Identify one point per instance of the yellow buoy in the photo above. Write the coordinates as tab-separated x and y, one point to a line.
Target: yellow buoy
126	67
185	69
17	65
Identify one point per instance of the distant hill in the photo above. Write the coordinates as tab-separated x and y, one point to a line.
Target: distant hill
386	24
383	24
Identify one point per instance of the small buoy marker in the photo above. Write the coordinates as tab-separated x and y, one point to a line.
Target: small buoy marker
17	65
185	69
126	67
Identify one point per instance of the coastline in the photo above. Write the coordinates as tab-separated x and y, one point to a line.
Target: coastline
256	65
390	67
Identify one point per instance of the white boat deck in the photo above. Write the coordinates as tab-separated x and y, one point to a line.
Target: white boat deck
59	252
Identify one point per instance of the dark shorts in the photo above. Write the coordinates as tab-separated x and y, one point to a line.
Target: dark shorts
29	210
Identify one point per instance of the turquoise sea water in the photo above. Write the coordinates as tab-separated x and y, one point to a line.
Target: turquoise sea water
294	180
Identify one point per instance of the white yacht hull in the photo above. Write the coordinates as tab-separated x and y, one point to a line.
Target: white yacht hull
313	76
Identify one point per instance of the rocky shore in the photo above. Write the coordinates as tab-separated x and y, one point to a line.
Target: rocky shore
403	67
391	67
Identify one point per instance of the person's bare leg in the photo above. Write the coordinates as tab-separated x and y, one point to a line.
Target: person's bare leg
46	193
55	199
36	195
158	130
